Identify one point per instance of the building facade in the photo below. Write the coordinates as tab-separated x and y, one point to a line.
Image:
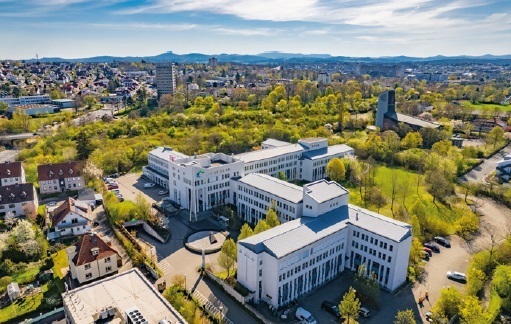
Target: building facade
18	200
60	177
12	173
26	100
165	78
200	182
333	236
92	258
71	218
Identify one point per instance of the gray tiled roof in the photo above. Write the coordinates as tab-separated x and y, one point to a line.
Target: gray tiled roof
269	153
327	152
378	224
297	234
274	186
323	190
412	120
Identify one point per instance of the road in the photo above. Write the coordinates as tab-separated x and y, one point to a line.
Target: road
9	155
479	173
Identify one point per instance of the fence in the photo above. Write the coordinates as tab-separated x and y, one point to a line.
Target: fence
228	289
209	307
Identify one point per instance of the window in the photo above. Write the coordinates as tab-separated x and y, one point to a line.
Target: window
260	272
390	259
107	269
107	259
391	248
87	266
88	275
74	220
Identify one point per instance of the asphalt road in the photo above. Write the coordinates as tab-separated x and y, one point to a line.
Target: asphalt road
479	173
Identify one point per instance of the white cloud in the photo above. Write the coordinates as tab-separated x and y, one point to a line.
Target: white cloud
168	27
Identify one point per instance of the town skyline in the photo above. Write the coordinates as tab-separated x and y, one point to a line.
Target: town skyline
419	28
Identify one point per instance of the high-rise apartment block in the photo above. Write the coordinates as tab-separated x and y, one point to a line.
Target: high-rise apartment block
165	78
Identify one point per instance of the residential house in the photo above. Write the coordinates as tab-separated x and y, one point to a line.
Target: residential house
12	173
71	218
19	200
92	258
60	177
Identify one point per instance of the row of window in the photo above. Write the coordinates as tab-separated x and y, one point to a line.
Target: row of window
12	179
89	274
371	251
373	240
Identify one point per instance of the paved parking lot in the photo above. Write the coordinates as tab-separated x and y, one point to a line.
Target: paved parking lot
131	184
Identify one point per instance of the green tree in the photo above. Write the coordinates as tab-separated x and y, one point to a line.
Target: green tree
54	94
502	280
411	140
471	311
336	170
261	227
416	226
246	231
228	255
405	317
272	219
20	121
449	303
89	101
84	146
349	306
367	285
3	107
142	207
495	136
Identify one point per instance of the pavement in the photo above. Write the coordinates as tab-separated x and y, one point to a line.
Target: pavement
480	172
174	258
9	155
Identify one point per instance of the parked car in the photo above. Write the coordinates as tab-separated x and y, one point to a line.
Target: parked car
428	251
149	185
116	191
364	312
163	192
121	199
433	247
442	241
457	276
425	255
304	316
111	186
51	203
96	223
429	316
331	308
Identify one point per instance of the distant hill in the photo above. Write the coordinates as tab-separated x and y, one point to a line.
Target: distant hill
279	57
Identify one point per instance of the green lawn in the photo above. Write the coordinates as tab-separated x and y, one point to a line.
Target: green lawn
482	106
438	211
24	306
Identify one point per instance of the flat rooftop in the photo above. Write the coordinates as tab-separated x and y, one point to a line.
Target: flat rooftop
269	153
323	190
166	153
274	186
328	152
122	292
275	142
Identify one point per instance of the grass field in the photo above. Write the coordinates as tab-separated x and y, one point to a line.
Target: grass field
24	306
410	181
482	106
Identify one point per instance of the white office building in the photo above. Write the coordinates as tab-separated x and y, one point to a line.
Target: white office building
288	261
26	100
200	182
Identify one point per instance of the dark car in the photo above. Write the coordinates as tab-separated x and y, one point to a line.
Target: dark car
96	223
433	247
330	308
428	251
442	241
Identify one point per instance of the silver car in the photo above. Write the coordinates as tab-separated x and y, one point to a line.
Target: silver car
457	276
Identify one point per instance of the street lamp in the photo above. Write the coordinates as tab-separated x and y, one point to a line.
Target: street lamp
221	308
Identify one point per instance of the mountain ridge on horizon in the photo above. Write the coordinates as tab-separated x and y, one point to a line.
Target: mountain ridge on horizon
273	57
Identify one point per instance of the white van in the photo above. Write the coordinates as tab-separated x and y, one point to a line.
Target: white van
304	316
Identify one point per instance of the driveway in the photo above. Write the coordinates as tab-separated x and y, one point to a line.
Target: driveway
488	166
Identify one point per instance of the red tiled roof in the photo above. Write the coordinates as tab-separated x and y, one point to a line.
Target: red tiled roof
65	208
84	246
10	170
59	170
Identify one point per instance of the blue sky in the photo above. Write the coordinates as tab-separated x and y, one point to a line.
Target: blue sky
83	28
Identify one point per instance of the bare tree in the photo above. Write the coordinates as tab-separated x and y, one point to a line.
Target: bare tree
393	189
494	237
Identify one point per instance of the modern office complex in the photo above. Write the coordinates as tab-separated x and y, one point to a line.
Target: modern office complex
165	78
200	182
288	261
